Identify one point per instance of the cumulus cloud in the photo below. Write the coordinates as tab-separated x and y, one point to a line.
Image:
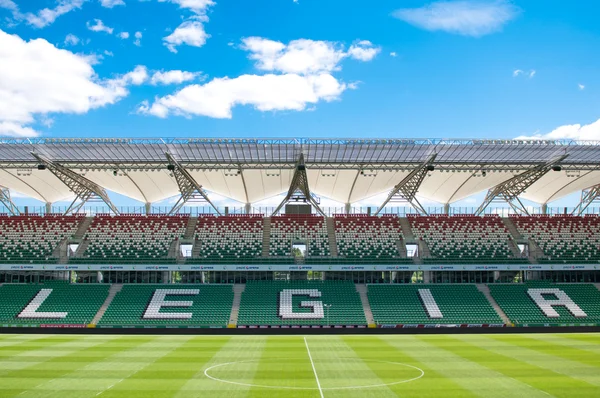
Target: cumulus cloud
468	18
9	5
304	56
71	40
67	83
393	54
190	33
172	77
571	131
196	6
47	16
124	35
581	86
111	3
98	26
520	72
138	39
266	93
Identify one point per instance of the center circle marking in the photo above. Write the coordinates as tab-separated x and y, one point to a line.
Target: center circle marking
207	370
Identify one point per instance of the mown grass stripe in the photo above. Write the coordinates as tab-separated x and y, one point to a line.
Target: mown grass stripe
473	376
548	356
586	349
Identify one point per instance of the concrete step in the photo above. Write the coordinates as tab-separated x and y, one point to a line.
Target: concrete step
512	229
362	290
238	290
597	285
409	237
190	229
486	292
81	249
83	227
114	289
331	236
266	236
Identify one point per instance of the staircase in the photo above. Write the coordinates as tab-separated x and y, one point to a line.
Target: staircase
407	231
401	248
362	290
83	227
486	292
514	249
190	229
266	236
174	251
114	289
238	289
331	236
196	249
535	251
597	285
81	249
510	226
60	252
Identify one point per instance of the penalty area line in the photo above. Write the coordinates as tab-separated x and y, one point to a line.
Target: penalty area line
313	368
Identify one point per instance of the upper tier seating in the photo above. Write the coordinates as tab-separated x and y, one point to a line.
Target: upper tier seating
361	239
310	229
132	238
521	308
235	239
80	302
563	239
261	303
464	239
402	304
31	239
211	305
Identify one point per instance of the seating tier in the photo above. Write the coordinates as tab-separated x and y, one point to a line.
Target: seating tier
288	229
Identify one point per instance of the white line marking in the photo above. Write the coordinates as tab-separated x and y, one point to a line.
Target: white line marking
313	367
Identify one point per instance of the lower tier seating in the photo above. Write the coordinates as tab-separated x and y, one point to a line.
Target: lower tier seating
61	303
521	308
133	305
262	304
458	304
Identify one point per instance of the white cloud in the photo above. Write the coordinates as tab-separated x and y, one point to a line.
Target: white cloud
363	51
9	5
48	15
109	53
136	77
71	40
111	3
190	33
468	18
571	131
517	72
172	77
138	39
99	26
265	93
581	86
124	35
196	6
393	54
532	73
12	129
67	83
304	56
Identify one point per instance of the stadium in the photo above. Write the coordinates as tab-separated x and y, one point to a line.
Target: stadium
398	299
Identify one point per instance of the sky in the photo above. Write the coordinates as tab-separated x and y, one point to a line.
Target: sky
300	68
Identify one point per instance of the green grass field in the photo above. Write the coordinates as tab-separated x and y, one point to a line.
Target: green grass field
540	365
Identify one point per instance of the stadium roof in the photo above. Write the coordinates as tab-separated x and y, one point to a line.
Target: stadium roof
250	170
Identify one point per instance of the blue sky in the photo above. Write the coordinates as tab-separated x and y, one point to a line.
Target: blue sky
306	68
453	73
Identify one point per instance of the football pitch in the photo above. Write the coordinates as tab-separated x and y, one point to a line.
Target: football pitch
535	365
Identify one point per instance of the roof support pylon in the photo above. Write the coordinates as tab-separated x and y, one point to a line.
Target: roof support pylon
587	197
84	189
510	189
408	187
300	185
6	200
188	186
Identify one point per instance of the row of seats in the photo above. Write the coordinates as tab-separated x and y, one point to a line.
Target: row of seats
563	239
308	229
297	303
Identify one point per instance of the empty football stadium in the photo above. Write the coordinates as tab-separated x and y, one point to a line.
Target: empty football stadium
299	299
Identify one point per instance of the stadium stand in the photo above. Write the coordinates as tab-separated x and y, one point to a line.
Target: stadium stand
464	239
209	305
32	239
563	238
519	305
289	229
128	239
233	239
367	239
261	305
63	303
403	304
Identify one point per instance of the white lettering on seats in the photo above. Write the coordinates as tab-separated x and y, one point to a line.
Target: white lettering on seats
562	300
433	311
31	310
286	310
158	302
